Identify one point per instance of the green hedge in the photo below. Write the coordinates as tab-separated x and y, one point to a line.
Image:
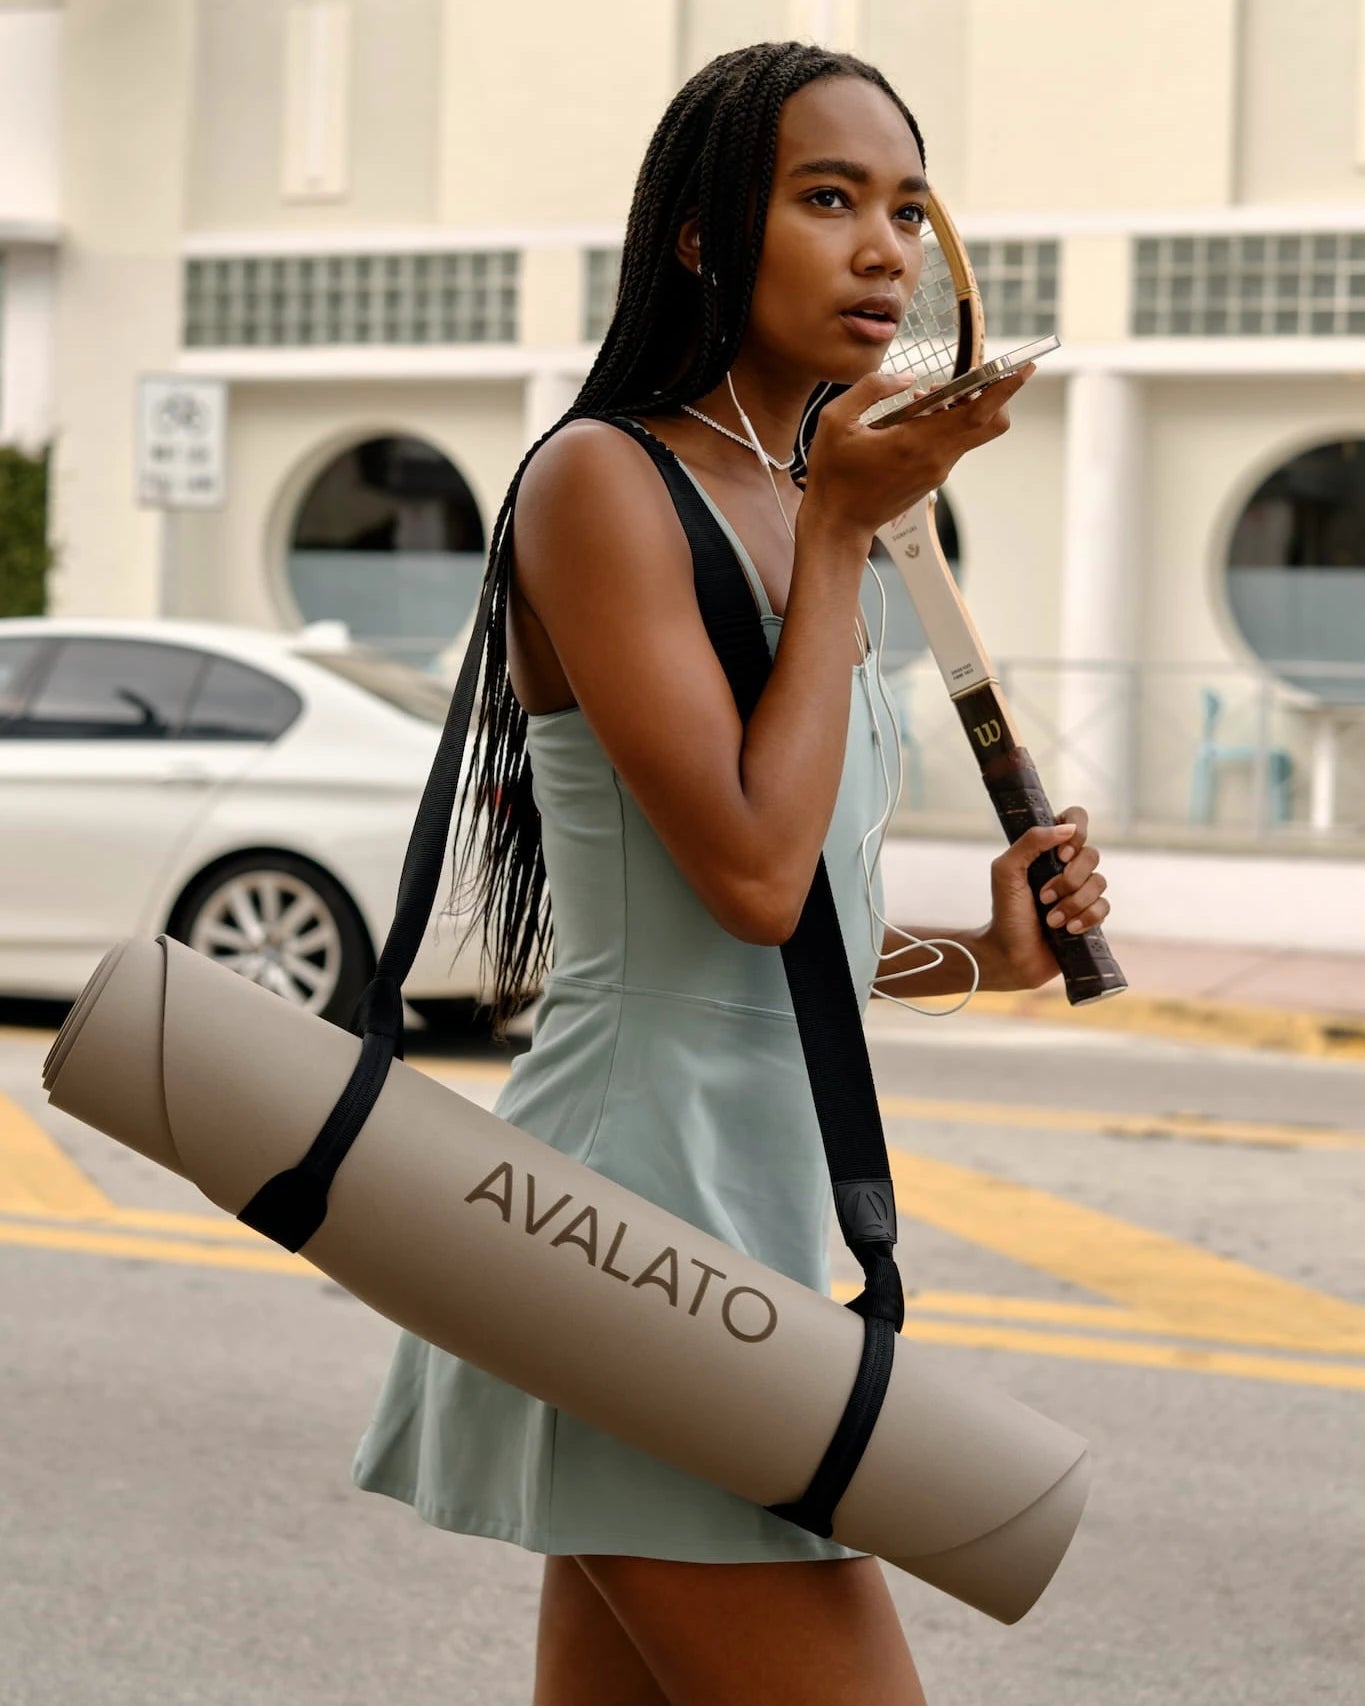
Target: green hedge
25	555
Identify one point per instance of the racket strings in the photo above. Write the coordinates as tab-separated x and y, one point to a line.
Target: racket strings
927	341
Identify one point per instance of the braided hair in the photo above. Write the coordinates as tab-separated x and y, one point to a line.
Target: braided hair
673	337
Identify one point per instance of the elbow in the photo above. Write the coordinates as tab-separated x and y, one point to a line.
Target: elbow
763	912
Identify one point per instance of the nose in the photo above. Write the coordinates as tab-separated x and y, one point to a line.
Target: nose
882	250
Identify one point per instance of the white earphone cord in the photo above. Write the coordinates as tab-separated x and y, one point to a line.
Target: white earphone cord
911	943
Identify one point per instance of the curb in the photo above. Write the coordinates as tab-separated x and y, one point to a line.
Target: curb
1188	1019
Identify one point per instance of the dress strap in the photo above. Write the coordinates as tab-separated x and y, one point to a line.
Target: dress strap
654	446
745	561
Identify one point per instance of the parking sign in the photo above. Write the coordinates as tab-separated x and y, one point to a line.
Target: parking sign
181	442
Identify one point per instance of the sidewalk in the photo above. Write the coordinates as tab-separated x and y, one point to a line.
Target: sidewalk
1301	1003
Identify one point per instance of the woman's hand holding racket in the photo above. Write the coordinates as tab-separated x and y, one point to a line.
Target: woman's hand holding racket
861	477
1014	938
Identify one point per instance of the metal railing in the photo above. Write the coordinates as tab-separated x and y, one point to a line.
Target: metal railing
1169	753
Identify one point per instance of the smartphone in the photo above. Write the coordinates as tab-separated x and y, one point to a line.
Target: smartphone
960	389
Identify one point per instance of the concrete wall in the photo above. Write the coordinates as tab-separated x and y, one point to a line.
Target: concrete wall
126	81
27	298
1075	105
561	140
1303	101
229	565
391	116
30	49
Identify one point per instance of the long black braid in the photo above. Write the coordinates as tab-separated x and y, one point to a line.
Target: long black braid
673	337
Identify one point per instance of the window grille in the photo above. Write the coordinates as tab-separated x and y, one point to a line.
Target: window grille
602	269
1296	284
458	297
1018	284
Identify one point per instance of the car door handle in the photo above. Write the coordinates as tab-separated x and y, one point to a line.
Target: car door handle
185	775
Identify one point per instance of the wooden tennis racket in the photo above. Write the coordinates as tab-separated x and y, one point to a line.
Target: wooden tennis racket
941	338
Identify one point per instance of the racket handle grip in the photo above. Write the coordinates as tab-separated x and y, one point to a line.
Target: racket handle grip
1088	969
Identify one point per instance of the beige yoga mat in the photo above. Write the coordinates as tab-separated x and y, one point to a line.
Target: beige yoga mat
490	1244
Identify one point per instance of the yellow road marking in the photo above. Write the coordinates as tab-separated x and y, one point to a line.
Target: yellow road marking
1081	1348
1074	1347
1161	1285
35	1172
1190	1126
269	1259
216	1226
1172	1286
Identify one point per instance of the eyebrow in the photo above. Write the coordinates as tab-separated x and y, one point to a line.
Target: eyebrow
850	169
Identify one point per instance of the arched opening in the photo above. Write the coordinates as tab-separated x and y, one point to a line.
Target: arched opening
1296	571
388	539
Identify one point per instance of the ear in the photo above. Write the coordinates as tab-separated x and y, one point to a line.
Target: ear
688	249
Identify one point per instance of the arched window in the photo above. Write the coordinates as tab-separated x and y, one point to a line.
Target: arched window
905	641
1296	570
389	540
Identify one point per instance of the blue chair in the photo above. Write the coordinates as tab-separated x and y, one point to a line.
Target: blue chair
1209	758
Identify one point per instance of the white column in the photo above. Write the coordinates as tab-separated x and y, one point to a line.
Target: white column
548	394
1100	562
27	306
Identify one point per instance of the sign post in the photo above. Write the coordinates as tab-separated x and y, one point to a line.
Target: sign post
181	455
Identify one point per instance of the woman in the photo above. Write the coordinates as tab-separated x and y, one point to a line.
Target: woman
775	223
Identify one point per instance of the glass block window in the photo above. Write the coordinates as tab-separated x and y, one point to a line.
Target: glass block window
1297	284
451	298
1018	283
601	270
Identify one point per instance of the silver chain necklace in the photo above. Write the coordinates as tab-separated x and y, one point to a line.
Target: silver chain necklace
725	432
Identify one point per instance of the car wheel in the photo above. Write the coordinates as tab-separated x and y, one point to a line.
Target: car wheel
284	924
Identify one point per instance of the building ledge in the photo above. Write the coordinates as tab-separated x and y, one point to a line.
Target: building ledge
36	233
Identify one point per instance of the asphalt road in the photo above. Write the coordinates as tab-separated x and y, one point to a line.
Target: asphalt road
1158	1245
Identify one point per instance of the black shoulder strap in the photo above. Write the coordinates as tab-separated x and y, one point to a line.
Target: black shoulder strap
828	1018
290	1207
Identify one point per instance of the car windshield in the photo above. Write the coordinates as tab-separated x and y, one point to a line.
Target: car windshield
398	684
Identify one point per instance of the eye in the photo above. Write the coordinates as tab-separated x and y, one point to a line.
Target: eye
840	199
914	213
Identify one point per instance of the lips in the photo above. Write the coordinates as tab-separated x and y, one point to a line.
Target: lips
874	318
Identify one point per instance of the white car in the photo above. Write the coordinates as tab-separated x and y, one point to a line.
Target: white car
250	793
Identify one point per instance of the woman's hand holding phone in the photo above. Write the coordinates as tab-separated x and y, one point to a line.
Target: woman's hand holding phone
862	476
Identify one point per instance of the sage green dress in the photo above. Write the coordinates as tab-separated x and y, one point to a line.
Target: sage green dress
665	1056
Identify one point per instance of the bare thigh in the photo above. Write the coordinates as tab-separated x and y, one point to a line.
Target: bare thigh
583	1655
817	1633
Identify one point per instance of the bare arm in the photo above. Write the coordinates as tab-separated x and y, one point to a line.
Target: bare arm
602	560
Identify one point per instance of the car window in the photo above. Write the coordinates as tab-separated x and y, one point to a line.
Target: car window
16	660
397	684
235	702
112	690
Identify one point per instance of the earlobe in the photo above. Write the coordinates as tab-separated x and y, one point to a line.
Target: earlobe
688	248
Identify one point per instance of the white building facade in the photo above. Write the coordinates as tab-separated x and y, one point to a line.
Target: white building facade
390	228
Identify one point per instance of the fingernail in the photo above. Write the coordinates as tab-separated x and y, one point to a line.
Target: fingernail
1064	852
1048	896
1054	919
1075	926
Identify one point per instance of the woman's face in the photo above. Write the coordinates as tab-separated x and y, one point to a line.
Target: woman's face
842	245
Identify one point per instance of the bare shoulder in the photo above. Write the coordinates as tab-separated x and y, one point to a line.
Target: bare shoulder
592	492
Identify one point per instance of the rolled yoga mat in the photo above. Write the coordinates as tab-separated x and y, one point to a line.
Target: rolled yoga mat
490	1244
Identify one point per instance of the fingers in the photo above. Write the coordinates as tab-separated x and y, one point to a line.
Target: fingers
1034	842
1081	818
1075	894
